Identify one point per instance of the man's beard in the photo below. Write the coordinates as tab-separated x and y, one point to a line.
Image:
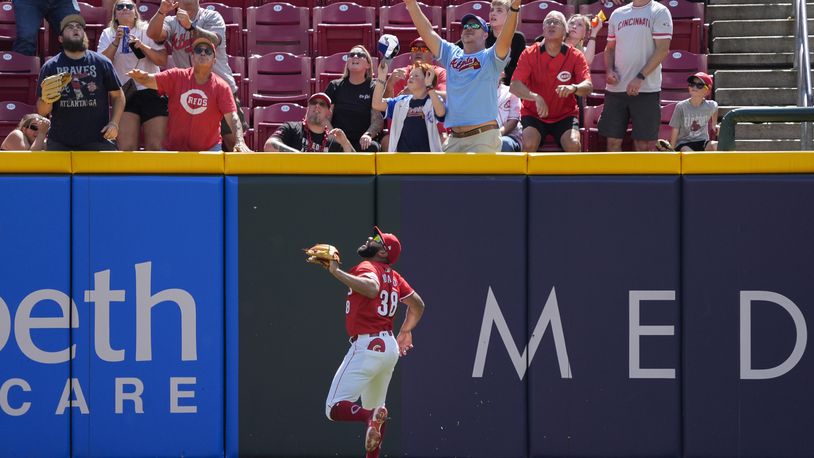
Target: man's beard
74	44
314	119
367	251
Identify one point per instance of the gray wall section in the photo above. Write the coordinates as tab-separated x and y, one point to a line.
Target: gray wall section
461	236
592	241
746	233
292	331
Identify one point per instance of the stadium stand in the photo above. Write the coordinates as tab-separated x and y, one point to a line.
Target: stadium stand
278	27
18	77
395	20
268	119
233	17
10	115
340	26
279	77
456	12
533	14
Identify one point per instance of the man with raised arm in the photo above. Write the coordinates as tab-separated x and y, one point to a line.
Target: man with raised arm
472	76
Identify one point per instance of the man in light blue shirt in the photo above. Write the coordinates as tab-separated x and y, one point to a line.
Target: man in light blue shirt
472	76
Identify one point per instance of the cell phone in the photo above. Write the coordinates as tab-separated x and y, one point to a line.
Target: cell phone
136	51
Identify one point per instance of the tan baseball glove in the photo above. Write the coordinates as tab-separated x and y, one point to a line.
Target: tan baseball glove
52	86
322	254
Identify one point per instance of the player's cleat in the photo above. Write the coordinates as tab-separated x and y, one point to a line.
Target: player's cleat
373	437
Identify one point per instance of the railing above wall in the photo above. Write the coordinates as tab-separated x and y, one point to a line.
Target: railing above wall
205	163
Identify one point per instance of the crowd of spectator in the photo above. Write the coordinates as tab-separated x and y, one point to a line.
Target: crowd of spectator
488	92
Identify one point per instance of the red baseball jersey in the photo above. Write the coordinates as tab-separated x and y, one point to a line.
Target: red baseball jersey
366	316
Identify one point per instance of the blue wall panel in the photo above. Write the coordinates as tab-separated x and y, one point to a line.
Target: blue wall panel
747	236
155	240
462	237
34	264
593	240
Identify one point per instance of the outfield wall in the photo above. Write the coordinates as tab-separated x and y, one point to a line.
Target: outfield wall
577	305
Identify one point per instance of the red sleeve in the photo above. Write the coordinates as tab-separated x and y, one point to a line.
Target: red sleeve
226	101
165	81
522	72
442	79
404	288
581	70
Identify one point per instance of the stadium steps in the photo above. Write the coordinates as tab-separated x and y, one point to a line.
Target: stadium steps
752	57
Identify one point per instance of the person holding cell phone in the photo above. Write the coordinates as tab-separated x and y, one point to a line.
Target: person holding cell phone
126	44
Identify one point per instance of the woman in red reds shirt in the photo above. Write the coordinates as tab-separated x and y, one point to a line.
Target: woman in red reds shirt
375	291
198	99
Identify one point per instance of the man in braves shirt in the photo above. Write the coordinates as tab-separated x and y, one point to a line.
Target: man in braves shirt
472	76
548	78
375	291
310	135
639	37
197	100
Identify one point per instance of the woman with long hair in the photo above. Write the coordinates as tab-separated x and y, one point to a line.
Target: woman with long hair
579	31
29	135
144	108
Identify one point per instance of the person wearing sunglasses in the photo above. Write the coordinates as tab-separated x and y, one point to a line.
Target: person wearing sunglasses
639	35
28	16
29	135
548	78
198	100
376	289
311	135
88	110
144	107
695	117
472	76
180	23
351	95
419	53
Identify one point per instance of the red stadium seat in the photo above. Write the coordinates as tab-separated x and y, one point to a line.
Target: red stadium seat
395	20
8	26
238	66
341	26
370	3
332	67
441	3
96	20
277	27
456	12
18	76
233	17
10	114
268	119
533	14
310	4
279	77
593	9
147	10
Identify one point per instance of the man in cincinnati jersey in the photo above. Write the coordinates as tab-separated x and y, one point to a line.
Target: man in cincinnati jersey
375	291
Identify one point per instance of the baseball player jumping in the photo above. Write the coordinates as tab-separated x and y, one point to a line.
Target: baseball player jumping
375	291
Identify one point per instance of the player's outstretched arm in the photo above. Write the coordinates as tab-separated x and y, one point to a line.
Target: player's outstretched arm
415	309
365	286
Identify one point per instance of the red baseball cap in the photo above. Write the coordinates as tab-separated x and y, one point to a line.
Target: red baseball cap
391	244
418	41
703	77
320	96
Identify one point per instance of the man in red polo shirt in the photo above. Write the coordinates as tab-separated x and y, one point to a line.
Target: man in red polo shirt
375	292
198	100
548	77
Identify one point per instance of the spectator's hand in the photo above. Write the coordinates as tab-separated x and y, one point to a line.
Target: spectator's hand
611	77
167	6
241	147
564	90
542	108
136	42
365	140
340	136
43	124
139	75
428	78
382	70
183	18
398	74
119	35
595	30
716	129
634	86
111	130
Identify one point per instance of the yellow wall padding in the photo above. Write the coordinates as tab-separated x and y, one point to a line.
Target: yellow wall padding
301	163
604	163
751	162
451	163
147	162
35	162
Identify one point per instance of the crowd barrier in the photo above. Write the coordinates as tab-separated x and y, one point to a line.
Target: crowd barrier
158	304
